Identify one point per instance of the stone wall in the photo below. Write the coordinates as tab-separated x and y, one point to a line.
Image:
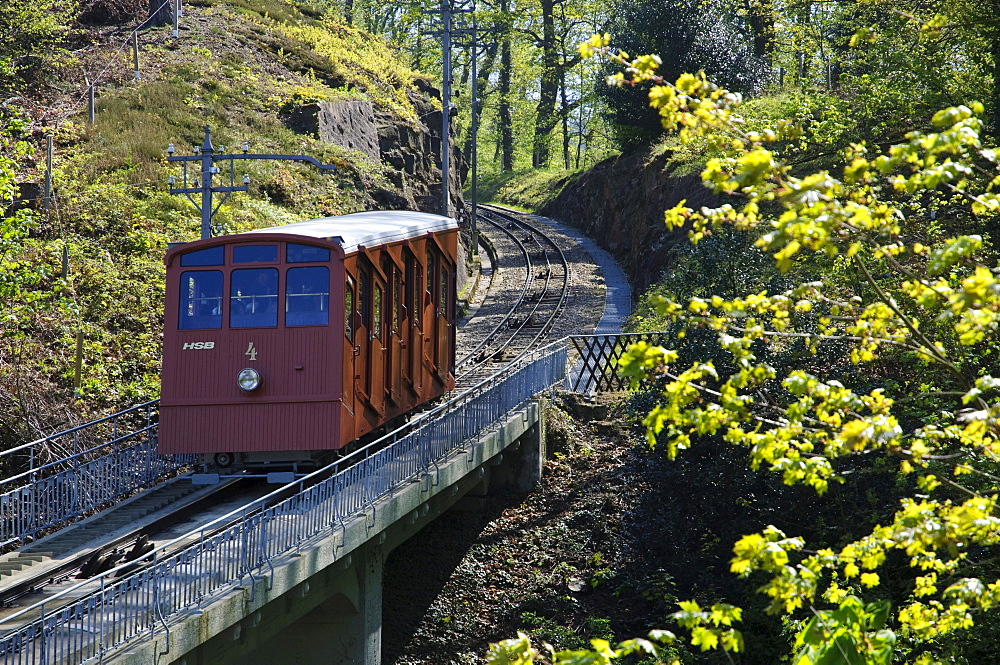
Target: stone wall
620	203
350	125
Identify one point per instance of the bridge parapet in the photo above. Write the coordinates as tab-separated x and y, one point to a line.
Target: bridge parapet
596	367
63	476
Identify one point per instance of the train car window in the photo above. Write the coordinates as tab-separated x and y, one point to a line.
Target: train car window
377	324
349	311
307	296
397	297
201	300
213	256
430	272
443	299
306	254
253	298
363	302
416	286
255	253
392	292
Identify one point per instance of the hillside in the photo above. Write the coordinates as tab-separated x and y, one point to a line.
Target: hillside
261	72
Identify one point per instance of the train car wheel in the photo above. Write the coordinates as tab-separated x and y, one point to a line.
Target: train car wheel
224	460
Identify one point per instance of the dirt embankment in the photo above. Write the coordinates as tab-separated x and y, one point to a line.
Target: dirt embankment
544	563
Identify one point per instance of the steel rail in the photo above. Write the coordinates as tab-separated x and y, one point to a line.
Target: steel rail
562	293
505	321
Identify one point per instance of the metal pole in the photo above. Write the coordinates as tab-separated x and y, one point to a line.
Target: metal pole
135	54
177	18
48	172
207	155
207	167
445	104
91	106
78	365
475	142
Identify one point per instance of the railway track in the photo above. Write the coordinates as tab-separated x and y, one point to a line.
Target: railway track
534	276
80	551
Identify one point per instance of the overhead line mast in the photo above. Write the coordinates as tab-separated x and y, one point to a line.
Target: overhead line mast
207	155
447	10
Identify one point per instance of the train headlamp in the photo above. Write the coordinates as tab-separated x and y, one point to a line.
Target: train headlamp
248	379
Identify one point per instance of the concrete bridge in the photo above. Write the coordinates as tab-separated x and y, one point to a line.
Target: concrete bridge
322	602
295	577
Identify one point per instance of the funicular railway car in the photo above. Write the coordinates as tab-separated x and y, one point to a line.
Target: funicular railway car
284	344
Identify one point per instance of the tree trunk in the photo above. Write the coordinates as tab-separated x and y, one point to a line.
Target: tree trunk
760	18
545	115
993	108
483	80
564	112
160	13
504	115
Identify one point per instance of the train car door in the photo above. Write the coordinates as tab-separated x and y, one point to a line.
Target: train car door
406	330
377	353
350	348
416	350
393	317
445	318
431	323
362	335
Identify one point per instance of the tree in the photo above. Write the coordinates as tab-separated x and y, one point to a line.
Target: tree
904	283
687	36
556	26
32	38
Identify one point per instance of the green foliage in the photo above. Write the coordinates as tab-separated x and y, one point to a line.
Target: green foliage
852	633
923	296
550	631
520	651
359	61
686	37
20	270
33	39
527	189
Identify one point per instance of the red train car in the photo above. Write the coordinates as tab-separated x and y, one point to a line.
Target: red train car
285	343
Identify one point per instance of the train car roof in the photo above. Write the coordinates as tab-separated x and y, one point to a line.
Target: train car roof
366	228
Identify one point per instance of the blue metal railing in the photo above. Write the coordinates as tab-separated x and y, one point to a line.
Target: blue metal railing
101	461
98	615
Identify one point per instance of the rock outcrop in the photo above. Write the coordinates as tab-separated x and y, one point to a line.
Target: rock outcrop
411	148
414	151
620	203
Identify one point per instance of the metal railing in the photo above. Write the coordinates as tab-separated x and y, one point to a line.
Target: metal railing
100	614
596	368
101	461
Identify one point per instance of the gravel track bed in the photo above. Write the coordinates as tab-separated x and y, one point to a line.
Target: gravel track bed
498	296
584	302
